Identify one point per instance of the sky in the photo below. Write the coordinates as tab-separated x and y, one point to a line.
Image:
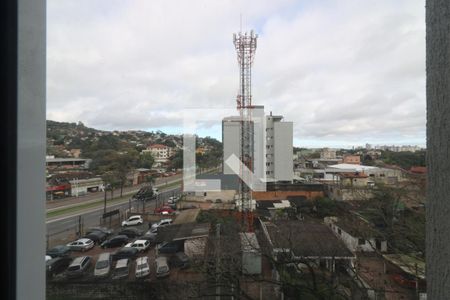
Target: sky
345	72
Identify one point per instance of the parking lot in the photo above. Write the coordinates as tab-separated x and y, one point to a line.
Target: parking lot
94	253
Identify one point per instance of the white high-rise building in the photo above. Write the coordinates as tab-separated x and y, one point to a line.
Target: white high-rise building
275	163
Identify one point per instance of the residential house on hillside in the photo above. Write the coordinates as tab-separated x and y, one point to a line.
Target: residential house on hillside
161	153
352	159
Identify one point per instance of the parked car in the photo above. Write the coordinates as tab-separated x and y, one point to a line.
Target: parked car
57	265
149	236
141	245
122	269
131	232
118	240
142	267
96	236
133	220
162	267
125	252
79	266
103	265
173	199
160	223
164	210
60	250
82	245
179	260
170	247
105	230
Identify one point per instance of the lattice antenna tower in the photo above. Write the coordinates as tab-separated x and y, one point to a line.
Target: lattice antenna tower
245	44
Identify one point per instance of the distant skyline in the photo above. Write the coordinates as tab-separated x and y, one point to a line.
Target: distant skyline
346	72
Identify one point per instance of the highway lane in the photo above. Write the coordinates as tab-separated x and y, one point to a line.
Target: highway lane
62	226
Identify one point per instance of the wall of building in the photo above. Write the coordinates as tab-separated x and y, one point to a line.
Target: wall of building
282	195
283	162
195	248
353	243
231	142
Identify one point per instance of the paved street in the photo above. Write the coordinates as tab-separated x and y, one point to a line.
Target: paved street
65	227
160	182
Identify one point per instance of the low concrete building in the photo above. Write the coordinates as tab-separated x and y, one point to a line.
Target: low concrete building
81	187
307	243
357	235
193	235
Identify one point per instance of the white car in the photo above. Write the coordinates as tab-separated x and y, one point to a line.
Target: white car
142	267
133	220
81	245
141	245
173	200
48	257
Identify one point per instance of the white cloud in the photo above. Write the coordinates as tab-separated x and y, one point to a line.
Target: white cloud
349	71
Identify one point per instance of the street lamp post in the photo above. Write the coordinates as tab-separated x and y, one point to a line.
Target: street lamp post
104	206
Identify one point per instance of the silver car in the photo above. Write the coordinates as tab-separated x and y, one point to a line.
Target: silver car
81	245
103	265
79	266
162	267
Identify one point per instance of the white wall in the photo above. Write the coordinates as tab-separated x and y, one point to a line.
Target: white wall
283	162
231	142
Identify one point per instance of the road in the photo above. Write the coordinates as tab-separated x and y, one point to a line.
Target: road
92	197
64	225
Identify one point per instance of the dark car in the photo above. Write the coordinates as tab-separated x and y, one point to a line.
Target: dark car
125	252
57	265
170	247
151	237
96	236
105	230
60	250
117	241
179	260
131	232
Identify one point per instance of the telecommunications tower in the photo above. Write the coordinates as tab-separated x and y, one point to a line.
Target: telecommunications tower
245	44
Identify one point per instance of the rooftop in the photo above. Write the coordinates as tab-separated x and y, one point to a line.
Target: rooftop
308	240
352	167
249	242
177	232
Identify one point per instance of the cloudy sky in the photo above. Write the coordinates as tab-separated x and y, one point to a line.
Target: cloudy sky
346	72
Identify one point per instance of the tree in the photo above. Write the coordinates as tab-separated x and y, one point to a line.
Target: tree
124	164
438	145
146	160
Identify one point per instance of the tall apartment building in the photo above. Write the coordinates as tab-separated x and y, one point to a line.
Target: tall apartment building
275	163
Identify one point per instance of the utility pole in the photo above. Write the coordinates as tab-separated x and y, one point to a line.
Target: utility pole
104	206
